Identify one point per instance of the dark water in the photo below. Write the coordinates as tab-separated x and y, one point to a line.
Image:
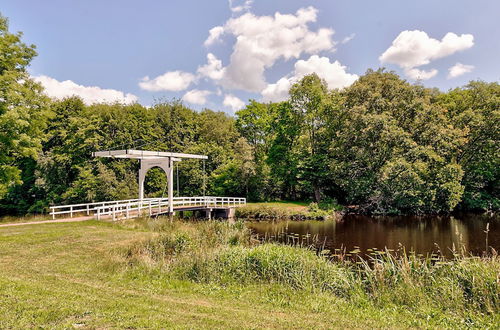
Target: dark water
422	235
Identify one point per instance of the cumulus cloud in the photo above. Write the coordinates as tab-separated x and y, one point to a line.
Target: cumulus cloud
213	69
278	91
412	49
233	102
169	81
333	73
196	96
214	35
263	40
89	94
417	74
459	69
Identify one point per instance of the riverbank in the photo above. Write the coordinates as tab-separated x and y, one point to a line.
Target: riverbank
144	273
287	210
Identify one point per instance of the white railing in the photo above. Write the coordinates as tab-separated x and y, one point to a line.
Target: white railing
86	208
132	208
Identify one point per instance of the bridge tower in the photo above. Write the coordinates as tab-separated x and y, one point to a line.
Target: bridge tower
150	159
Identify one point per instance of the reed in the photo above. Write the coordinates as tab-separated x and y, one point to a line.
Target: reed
226	254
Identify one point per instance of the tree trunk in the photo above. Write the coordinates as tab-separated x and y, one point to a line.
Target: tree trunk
317	194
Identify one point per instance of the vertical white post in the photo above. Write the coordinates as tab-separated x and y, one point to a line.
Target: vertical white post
114	209
71	211
127	212
88	211
53	213
142	177
170	178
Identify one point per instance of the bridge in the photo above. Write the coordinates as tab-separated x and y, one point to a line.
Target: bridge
209	206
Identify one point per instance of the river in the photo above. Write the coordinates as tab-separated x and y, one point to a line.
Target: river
363	234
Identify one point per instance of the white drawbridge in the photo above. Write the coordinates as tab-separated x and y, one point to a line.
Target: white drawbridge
149	206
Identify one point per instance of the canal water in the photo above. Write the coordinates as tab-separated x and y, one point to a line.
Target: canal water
364	234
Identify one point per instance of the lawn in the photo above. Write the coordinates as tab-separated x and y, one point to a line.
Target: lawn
64	275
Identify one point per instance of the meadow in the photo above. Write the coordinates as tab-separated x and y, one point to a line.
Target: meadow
156	273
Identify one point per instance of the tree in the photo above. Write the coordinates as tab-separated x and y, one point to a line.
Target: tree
394	150
309	101
23	107
475	109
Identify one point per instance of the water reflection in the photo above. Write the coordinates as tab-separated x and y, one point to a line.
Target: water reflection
423	235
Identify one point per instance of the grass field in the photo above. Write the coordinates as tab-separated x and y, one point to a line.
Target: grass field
76	275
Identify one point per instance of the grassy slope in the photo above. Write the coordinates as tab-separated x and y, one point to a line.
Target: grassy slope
283	205
64	275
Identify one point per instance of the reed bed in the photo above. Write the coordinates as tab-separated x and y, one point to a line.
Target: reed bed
227	254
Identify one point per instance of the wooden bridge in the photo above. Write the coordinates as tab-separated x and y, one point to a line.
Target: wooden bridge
209	206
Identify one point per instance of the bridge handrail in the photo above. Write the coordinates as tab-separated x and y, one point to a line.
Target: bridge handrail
120	206
96	203
85	207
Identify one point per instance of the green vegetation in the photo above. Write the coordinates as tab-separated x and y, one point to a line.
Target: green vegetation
381	146
211	274
288	210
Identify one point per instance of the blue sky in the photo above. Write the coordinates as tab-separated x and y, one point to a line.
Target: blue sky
104	50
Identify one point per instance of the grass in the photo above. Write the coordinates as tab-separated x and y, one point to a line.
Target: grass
286	210
157	274
24	218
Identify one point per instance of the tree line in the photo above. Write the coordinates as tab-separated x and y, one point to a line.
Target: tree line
382	145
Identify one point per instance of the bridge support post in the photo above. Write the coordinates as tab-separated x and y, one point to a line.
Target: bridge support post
167	164
170	182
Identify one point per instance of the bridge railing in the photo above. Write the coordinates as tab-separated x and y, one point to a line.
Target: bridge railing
135	207
87	208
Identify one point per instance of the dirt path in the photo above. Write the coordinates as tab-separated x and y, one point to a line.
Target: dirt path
77	219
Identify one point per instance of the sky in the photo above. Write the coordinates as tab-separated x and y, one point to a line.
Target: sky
219	54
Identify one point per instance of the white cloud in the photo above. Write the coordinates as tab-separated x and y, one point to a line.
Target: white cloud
245	6
278	91
196	96
412	49
417	74
214	35
169	81
213	69
89	94
233	102
348	38
333	73
459	69
263	40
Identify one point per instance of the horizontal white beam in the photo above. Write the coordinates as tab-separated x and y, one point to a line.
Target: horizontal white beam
145	154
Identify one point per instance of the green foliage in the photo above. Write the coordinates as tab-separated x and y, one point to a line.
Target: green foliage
381	145
23	108
475	109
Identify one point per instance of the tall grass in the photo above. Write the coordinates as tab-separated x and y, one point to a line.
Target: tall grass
226	254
